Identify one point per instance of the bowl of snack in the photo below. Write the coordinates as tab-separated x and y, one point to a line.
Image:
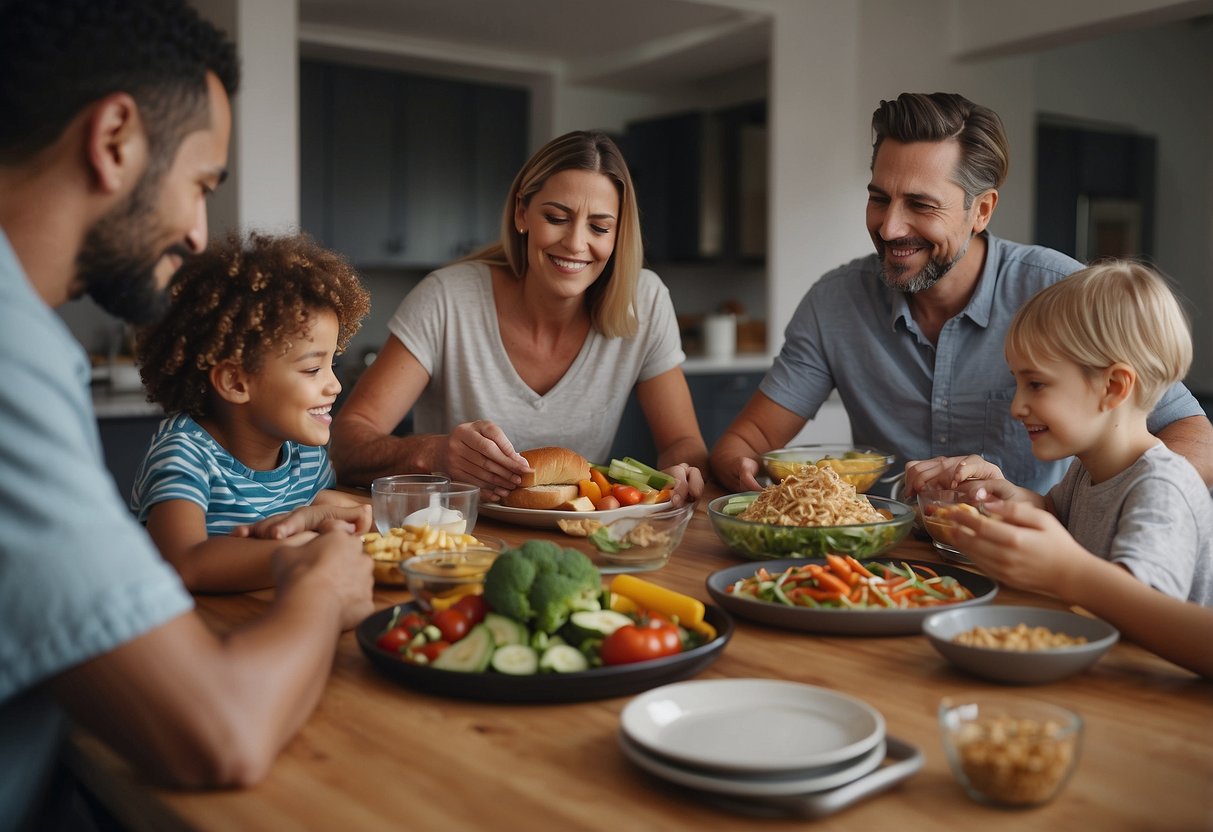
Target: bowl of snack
634	543
439	579
424	500
810	513
1019	645
1010	752
858	465
936	507
389	551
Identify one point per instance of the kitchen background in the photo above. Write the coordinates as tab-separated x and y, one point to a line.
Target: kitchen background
391	129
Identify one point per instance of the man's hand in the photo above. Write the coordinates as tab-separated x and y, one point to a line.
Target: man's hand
336	562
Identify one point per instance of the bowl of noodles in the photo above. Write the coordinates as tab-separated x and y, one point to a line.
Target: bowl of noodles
810	513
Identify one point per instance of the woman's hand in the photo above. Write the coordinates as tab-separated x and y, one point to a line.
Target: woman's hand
480	453
688	484
947	472
313	518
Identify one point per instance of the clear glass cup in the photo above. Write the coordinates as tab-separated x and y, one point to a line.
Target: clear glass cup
396	497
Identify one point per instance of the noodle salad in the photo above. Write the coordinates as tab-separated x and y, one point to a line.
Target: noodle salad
811	496
845	583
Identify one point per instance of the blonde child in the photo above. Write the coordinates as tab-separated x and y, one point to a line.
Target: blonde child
1091	355
243	365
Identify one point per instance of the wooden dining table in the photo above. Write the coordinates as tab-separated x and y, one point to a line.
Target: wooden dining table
377	754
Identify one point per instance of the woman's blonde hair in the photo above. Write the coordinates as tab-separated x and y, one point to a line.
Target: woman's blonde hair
610	298
1113	311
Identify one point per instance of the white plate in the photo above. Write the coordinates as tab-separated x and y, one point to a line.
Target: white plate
815	780
542	519
751	725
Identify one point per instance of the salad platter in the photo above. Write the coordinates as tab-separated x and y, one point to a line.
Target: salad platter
595	683
549	519
866	621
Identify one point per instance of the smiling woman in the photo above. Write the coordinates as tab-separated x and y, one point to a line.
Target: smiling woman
532	341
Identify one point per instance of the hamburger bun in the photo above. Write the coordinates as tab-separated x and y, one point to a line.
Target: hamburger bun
552	483
544	497
554	466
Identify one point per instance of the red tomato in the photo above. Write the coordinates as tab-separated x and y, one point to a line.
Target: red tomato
627	495
432	650
452	623
395	639
651	638
414	622
472	606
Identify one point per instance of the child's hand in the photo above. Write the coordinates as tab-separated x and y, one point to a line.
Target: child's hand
946	472
322	518
1019	544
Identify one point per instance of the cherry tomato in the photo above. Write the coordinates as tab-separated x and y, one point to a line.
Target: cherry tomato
627	495
432	650
414	622
452	623
606	503
472	606
395	639
650	638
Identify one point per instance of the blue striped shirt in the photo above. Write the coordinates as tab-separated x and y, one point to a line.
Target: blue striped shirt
184	462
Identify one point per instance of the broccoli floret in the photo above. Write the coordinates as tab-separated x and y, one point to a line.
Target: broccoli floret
542	584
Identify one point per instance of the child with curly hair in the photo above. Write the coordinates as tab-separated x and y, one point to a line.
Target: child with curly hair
243	364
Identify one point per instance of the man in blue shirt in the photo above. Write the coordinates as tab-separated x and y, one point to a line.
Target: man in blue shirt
912	336
115	127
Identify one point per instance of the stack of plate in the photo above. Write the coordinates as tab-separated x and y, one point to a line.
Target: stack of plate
757	738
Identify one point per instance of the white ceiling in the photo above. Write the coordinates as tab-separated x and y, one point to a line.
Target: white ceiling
624	44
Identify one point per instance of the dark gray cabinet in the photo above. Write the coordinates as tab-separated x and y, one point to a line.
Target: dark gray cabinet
406	170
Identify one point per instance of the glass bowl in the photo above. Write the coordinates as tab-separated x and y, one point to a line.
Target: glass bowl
391	550
767	541
635	543
438	579
856	464
1007	751
424	499
934	506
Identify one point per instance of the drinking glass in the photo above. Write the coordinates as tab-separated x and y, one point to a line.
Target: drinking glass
396	497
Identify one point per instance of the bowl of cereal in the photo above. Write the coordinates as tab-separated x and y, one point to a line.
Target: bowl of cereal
389	551
860	466
1019	645
1010	752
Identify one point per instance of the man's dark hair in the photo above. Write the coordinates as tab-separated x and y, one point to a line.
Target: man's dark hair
940	116
58	56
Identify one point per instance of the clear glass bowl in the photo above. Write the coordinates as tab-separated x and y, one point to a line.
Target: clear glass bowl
447	576
934	506
858	465
635	543
768	541
1010	751
418	541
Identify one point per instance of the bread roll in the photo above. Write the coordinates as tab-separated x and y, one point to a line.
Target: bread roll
554	466
545	497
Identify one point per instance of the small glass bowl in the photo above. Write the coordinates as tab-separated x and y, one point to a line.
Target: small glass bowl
860	466
412	542
638	542
1009	751
439	577
934	504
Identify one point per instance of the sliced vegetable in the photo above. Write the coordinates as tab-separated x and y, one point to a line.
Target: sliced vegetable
515	660
656	479
845	583
471	654
561	658
597	623
505	630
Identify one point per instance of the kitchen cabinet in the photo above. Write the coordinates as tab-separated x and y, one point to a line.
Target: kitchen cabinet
701	183
406	170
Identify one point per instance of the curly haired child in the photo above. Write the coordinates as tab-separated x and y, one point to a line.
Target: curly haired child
1091	355
243	365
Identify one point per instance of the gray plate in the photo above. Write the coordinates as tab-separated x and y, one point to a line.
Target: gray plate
842	622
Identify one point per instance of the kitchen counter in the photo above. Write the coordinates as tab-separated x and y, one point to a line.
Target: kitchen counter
377	754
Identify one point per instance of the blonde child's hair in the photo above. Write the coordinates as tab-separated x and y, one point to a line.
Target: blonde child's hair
1113	311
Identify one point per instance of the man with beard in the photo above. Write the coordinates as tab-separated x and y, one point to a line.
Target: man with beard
115	127
912	336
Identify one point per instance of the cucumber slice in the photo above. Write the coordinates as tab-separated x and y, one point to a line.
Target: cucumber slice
505	630
515	660
598	623
561	658
657	479
471	654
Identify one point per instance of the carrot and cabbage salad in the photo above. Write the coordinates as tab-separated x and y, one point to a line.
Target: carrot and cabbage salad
845	583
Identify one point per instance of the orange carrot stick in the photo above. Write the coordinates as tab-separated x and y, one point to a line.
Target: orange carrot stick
859	567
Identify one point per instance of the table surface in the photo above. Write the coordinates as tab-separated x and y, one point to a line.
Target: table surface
378	754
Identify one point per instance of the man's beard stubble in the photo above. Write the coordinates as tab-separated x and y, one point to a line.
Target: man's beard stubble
117	262
930	274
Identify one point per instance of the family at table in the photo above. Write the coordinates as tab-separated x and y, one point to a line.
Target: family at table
1049	391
